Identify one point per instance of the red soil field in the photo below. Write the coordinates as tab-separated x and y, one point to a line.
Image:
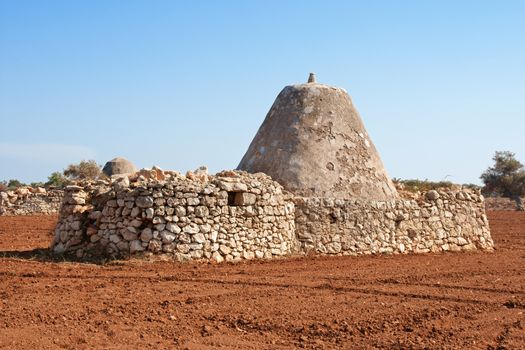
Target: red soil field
435	301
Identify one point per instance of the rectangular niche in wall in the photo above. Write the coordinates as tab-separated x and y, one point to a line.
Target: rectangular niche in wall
241	198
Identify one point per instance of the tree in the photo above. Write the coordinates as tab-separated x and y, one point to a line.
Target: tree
13	183
56	179
506	178
85	170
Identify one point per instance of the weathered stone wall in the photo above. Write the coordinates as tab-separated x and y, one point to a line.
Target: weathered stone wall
230	216
30	201
447	220
235	215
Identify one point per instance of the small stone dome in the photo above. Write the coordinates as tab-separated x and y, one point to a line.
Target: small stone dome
119	166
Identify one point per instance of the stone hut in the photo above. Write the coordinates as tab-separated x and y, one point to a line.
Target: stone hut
327	193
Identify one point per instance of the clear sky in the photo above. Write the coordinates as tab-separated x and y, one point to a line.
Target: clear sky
440	84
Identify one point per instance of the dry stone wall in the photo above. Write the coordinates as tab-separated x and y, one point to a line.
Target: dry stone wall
230	216
444	220
30	201
235	215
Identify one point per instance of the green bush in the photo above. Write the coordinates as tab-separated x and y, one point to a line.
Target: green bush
505	178
56	179
85	170
13	183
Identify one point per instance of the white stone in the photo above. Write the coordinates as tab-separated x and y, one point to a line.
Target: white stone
114	238
193	201
135	212
225	249
149	213
167	236
199	238
146	235
144	202
217	257
191	228
248	255
59	248
432	195
135	246
158	220
245	198
168	248
201	211
154	246
160	227
183	248
75	225
130	234
232	186
180	211
136	223
174	228
95	215
462	241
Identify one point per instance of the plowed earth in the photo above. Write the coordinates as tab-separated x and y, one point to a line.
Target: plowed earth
434	301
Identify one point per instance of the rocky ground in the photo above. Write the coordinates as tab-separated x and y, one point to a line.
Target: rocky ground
434	301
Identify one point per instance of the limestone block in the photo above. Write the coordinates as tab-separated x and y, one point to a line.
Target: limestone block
144	202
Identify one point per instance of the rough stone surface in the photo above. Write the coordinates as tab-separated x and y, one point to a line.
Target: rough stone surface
119	166
352	227
185	218
30	201
314	143
195	218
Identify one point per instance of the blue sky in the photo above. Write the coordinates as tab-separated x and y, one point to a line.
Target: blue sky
440	85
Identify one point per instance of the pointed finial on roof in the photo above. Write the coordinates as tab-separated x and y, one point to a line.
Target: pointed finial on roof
311	78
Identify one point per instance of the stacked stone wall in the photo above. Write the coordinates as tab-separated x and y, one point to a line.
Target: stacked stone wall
235	215
444	220
229	216
30	201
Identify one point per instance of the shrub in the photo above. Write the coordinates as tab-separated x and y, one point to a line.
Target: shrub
415	185
13	183
505	178
85	170
56	179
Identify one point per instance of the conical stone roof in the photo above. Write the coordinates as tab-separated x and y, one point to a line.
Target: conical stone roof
314	143
118	166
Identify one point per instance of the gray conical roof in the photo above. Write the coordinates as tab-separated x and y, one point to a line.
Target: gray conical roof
118	166
314	143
